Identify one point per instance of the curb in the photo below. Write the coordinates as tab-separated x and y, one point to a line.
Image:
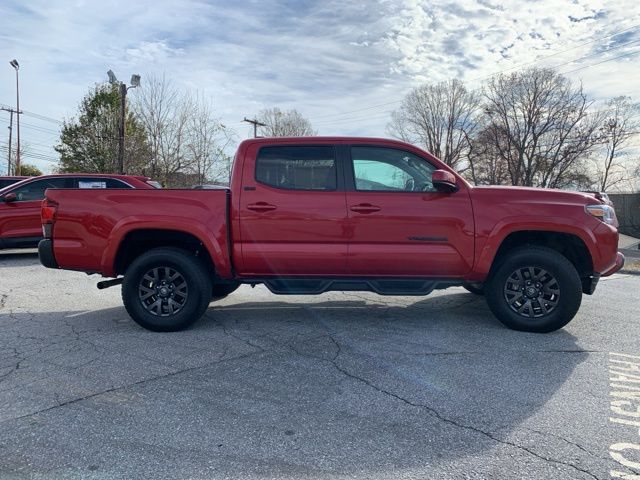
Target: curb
629	272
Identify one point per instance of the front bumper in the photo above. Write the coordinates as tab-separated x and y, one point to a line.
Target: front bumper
45	253
618	265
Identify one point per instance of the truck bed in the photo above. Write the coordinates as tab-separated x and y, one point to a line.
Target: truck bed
91	224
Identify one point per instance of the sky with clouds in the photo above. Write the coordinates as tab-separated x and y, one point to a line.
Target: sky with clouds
343	64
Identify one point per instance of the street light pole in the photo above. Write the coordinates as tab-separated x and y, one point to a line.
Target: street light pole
123	105
135	82
14	63
10	140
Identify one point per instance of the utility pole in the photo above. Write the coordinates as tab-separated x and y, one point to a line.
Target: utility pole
10	146
14	63
255	124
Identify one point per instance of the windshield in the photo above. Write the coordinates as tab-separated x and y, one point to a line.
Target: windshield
8	188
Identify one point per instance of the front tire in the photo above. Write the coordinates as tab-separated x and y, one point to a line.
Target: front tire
166	289
534	289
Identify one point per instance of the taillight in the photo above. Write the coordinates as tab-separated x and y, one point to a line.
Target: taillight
48	216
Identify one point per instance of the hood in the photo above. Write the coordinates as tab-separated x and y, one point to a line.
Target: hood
542	195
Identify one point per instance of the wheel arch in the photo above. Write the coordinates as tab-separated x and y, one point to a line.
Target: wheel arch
570	245
131	241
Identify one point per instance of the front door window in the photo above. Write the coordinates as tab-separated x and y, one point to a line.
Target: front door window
389	169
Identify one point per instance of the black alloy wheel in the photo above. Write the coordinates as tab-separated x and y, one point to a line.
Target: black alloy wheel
163	291
532	292
534	289
166	289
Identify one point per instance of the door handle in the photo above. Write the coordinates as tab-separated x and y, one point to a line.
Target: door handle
261	207
364	208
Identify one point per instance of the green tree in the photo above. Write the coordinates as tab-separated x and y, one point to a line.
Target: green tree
29	170
90	142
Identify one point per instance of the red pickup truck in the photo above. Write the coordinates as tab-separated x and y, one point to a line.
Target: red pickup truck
309	215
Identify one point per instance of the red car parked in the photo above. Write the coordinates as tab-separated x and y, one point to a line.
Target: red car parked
20	225
309	215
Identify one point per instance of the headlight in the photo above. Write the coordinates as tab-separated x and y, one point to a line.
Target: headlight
603	212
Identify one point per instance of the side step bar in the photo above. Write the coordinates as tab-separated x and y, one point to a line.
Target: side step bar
295	286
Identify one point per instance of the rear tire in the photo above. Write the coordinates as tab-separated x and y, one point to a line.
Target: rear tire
166	289
475	288
534	289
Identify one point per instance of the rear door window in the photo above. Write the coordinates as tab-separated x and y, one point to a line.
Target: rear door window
297	167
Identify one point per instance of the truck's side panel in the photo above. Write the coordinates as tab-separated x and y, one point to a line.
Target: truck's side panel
88	239
502	211
421	235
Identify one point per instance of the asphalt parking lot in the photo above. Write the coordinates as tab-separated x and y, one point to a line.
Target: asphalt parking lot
342	385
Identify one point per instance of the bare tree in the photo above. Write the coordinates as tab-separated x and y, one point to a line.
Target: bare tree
617	131
486	166
289	123
441	118
539	124
187	140
165	113
207	142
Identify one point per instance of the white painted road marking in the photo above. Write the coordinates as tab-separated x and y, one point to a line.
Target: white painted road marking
624	371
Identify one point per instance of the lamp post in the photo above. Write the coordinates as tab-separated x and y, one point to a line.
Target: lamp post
135	82
14	63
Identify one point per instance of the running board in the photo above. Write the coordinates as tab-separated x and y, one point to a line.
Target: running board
282	286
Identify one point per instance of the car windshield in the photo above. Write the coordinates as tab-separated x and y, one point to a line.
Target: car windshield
14	185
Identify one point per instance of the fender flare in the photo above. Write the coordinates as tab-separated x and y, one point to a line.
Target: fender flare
505	227
214	242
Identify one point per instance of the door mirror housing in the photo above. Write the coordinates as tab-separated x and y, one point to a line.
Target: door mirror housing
10	197
444	181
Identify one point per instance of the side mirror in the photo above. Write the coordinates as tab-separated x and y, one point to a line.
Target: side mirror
444	181
10	197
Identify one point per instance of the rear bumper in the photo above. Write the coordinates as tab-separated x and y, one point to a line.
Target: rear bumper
618	265
45	253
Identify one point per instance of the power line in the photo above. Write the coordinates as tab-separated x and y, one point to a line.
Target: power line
596	53
564	51
35	127
38	156
604	61
43	117
340	121
36	150
37	115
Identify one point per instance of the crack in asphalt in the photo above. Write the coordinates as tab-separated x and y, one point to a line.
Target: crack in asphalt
566	440
123	387
432	411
